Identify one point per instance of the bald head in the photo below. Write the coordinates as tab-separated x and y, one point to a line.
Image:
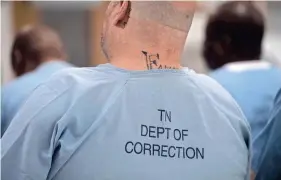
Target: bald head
147	24
34	45
172	14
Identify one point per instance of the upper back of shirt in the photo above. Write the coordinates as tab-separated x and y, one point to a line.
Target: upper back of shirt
253	89
16	92
109	123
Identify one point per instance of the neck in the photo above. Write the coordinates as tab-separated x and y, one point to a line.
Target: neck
147	59
50	60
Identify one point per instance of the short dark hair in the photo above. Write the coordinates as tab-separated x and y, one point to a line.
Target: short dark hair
233	33
33	45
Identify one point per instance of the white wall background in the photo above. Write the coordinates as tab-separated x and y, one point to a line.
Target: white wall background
272	42
192	54
73	27
6	41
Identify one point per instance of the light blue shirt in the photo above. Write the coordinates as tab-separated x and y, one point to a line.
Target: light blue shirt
253	86
110	123
267	164
15	93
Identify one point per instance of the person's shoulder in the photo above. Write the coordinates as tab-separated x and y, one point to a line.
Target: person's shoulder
20	84
87	73
211	87
275	70
69	87
221	100
84	77
219	96
220	73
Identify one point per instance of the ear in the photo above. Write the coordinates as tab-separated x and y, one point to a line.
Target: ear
120	13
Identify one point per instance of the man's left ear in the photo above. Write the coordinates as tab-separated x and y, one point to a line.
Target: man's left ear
120	16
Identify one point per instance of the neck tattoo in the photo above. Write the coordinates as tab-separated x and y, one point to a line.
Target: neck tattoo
152	61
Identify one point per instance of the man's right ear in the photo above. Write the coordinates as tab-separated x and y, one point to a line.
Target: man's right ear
119	12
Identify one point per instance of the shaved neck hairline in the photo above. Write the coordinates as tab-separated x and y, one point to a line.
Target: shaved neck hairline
162	13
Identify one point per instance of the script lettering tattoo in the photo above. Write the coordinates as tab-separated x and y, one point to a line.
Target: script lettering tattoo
152	61
165	67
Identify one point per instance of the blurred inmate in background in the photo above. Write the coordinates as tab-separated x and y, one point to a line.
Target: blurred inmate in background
36	54
232	49
141	116
268	166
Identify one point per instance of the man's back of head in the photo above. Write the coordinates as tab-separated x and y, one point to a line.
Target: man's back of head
234	33
34	45
136	31
232	50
